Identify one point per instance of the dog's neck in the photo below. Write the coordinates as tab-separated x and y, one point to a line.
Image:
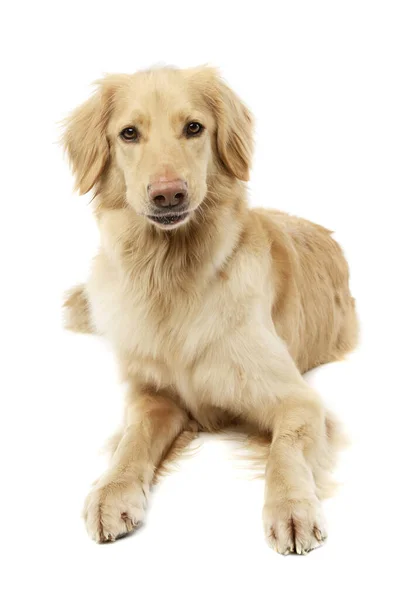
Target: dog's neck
182	256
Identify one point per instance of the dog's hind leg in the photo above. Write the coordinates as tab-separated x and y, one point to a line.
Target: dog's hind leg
77	311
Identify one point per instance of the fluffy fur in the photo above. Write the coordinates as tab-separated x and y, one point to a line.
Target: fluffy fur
212	322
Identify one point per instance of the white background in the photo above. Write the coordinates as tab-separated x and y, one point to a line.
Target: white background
322	79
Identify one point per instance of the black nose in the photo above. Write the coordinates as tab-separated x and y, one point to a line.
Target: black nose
168	194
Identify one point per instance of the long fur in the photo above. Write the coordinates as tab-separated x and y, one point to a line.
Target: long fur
213	322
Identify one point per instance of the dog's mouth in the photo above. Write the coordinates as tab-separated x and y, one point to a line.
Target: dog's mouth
169	221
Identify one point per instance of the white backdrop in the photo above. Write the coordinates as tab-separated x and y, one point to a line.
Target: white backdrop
322	79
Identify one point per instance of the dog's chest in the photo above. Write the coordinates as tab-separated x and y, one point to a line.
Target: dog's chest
202	345
145	323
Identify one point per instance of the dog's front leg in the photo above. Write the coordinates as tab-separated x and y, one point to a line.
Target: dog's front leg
292	512
117	502
277	399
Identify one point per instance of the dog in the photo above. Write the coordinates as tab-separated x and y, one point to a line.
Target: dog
213	310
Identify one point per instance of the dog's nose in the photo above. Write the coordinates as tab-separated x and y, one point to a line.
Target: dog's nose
168	194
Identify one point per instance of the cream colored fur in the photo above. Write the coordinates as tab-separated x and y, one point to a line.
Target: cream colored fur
212	322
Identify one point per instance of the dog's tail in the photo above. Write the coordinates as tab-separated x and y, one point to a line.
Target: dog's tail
76	313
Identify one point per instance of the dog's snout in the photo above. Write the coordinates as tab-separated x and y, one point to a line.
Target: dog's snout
168	194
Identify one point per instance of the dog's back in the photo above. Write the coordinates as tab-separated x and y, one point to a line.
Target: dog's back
313	310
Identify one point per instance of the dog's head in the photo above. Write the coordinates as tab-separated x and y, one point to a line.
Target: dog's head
166	132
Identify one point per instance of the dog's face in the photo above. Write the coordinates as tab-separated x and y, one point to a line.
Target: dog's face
166	132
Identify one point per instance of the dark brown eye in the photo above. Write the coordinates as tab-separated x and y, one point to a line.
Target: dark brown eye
130	134
193	128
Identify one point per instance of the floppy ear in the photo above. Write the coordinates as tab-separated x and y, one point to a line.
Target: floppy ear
234	135
85	140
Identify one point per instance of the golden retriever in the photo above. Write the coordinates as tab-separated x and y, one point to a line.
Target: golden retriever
212	309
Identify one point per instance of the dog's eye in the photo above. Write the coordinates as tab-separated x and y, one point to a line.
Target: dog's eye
193	128
130	134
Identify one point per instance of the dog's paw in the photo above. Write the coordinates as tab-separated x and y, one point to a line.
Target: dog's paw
113	510
294	526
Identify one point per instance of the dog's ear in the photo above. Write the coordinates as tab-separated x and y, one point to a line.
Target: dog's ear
85	139
234	133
